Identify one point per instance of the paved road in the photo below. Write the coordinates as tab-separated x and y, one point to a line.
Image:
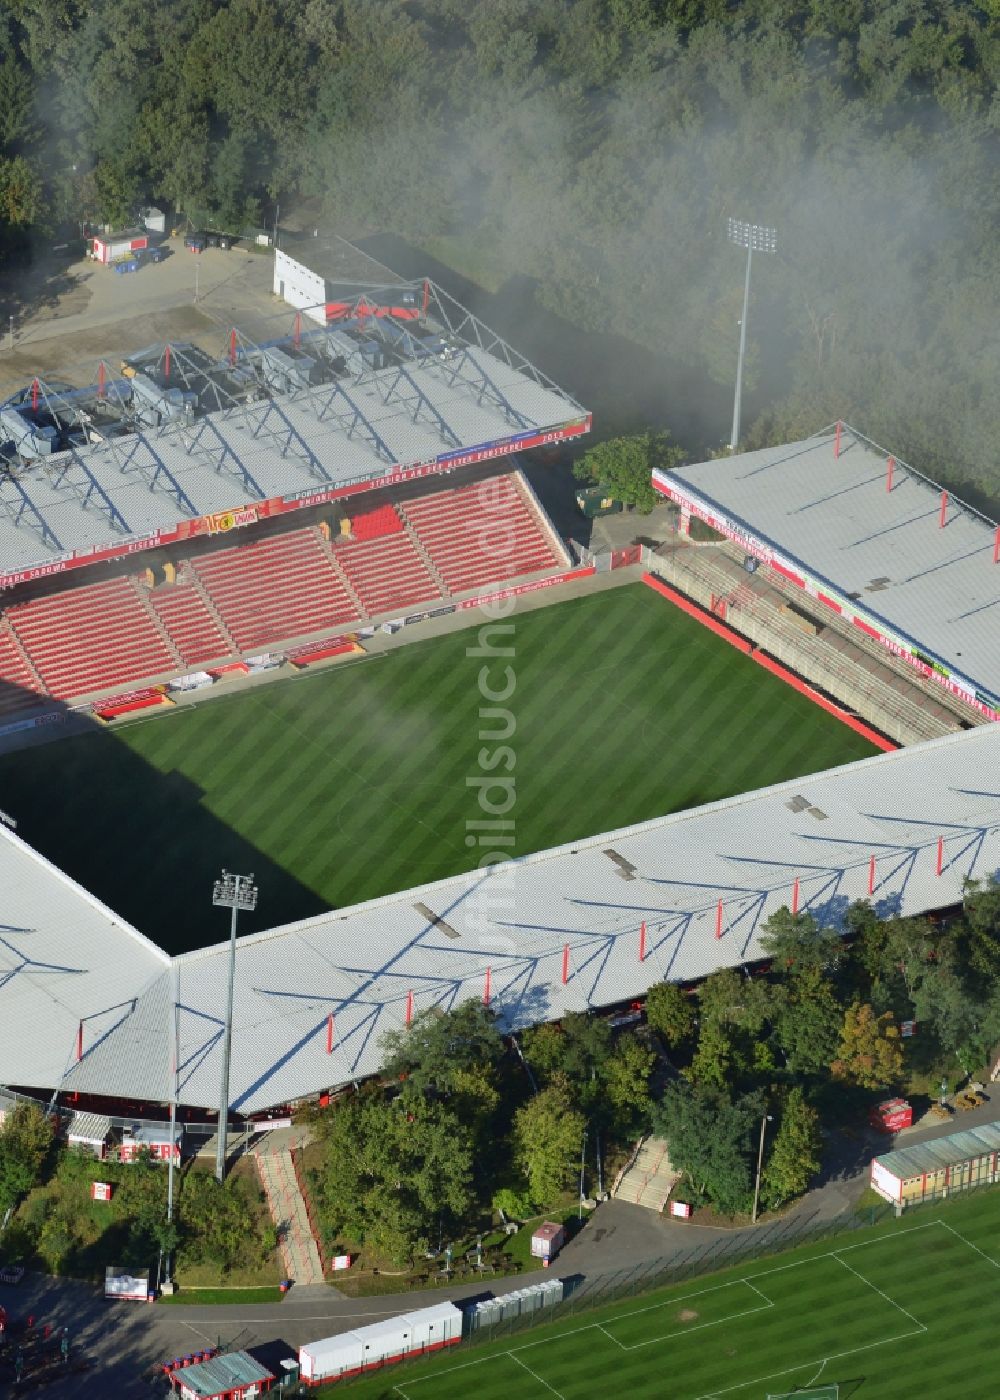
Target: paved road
126	1340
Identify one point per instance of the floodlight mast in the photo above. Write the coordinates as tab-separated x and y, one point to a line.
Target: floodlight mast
755	238
233	892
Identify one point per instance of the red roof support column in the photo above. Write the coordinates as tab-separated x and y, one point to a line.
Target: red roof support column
297	334
996	546
486	987
795	896
944	509
642	941
889	466
718	919
101	372
34	396
871	876
166	362
232	346
79	1041
329	1034
836	439
940	855
565	966
409	1008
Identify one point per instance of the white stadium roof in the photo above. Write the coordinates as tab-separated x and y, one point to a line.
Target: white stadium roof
65	959
937	588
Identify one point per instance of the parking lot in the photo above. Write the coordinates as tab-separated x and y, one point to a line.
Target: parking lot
80	311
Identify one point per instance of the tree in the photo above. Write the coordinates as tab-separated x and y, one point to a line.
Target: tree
625	465
795	1154
21	200
627	1082
981	907
25	1142
392	1170
670	1012
796	943
870	1052
710	1140
548	1135
809	1022
578	1048
439	1044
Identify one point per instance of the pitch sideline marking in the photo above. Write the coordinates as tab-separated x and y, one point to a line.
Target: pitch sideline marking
535	1375
891	1301
951	1230
763	1273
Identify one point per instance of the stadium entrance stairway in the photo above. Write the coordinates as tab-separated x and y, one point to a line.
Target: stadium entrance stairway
650	1178
299	1250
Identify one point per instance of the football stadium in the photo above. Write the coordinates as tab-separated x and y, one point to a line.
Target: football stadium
279	608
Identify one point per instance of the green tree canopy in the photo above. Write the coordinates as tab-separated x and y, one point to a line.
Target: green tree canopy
710	1141
870	1053
670	1011
439	1045
625	466
548	1137
794	1158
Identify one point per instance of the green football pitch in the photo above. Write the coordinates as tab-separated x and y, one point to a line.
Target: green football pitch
910	1309
350	783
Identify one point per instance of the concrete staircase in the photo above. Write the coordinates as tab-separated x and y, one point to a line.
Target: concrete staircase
288	1211
650	1178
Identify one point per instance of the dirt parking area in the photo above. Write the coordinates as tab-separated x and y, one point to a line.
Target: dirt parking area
74	313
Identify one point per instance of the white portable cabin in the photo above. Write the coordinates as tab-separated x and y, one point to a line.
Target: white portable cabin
411	1334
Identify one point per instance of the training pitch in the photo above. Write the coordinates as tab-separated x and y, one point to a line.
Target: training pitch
907	1310
351	783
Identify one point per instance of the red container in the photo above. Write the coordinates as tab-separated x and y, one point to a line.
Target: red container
891	1116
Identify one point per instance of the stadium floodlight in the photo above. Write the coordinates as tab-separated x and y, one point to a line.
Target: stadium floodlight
767	1118
233	892
755	238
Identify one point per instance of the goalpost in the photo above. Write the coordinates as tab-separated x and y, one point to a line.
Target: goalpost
813	1392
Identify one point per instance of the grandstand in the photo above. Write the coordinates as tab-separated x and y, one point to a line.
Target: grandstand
875	543
88	1003
185	512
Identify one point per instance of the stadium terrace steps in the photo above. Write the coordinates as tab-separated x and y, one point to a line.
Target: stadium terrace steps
17	673
90	638
142	593
299	1251
387	573
328	552
480	534
182	611
276	587
650	1179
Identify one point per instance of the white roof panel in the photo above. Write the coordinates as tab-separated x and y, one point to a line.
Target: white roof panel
361	964
937	588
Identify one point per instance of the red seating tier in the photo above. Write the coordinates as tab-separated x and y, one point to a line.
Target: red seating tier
278	587
18	690
373	524
388	574
481	533
90	638
192	628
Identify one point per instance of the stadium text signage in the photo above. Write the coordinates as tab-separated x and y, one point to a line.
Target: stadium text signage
928	666
243	514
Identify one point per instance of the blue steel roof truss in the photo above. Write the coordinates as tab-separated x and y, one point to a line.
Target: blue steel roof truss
89	492
286	438
217	452
353	421
480	381
386	384
155	472
16	511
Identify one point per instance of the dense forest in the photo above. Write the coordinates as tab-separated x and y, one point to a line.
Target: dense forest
596	145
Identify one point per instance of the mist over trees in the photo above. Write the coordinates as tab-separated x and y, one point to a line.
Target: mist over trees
596	145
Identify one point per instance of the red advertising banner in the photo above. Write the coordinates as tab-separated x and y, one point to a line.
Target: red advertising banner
485	598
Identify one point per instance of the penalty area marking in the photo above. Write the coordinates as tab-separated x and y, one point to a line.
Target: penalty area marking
762	1306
